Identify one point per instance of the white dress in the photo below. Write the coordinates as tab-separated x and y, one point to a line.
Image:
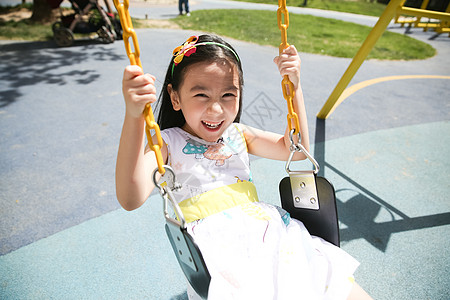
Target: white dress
252	250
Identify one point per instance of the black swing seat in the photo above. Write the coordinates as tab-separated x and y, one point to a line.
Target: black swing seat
320	220
189	258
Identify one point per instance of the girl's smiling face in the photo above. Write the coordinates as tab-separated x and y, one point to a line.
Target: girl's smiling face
208	97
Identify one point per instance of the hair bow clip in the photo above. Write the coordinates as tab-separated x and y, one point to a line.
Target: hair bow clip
186	49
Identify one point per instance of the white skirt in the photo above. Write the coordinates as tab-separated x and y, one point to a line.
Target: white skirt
256	251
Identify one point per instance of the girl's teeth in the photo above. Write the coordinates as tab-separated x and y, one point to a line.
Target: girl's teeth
212	125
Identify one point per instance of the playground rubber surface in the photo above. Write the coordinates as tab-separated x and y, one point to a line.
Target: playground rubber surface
63	234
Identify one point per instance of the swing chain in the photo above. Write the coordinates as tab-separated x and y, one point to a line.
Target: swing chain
283	12
298	147
128	31
168	179
168	185
288	93
286	84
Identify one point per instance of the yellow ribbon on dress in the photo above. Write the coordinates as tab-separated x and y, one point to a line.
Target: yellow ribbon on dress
217	200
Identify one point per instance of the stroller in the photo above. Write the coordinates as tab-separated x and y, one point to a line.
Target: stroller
89	17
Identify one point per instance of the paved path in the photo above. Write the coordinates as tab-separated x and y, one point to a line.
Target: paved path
63	235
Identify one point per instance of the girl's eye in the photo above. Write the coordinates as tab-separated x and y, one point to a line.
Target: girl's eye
200	95
228	95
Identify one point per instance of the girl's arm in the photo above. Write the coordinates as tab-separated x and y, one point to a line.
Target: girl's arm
275	146
135	163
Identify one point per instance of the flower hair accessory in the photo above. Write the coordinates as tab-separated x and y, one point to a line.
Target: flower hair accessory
187	49
190	47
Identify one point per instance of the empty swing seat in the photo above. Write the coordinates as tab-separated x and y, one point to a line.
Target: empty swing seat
321	222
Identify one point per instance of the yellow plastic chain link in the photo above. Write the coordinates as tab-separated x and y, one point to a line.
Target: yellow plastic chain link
286	84
128	31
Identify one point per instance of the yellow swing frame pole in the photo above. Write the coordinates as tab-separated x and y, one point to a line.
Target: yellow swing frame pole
335	98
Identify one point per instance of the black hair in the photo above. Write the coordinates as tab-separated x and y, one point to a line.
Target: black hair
167	116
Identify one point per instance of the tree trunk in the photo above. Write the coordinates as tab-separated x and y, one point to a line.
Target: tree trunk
42	12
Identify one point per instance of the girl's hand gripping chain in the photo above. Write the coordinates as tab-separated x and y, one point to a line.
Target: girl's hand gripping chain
134	162
138	90
289	64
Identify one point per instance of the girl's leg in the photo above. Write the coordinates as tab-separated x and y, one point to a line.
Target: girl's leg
357	293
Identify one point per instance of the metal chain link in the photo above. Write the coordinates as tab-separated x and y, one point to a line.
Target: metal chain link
128	31
286	84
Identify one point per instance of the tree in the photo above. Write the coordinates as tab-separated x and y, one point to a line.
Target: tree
42	12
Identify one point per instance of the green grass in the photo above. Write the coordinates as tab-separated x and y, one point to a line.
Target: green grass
25	30
362	7
308	33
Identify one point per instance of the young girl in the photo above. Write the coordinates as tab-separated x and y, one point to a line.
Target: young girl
252	250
